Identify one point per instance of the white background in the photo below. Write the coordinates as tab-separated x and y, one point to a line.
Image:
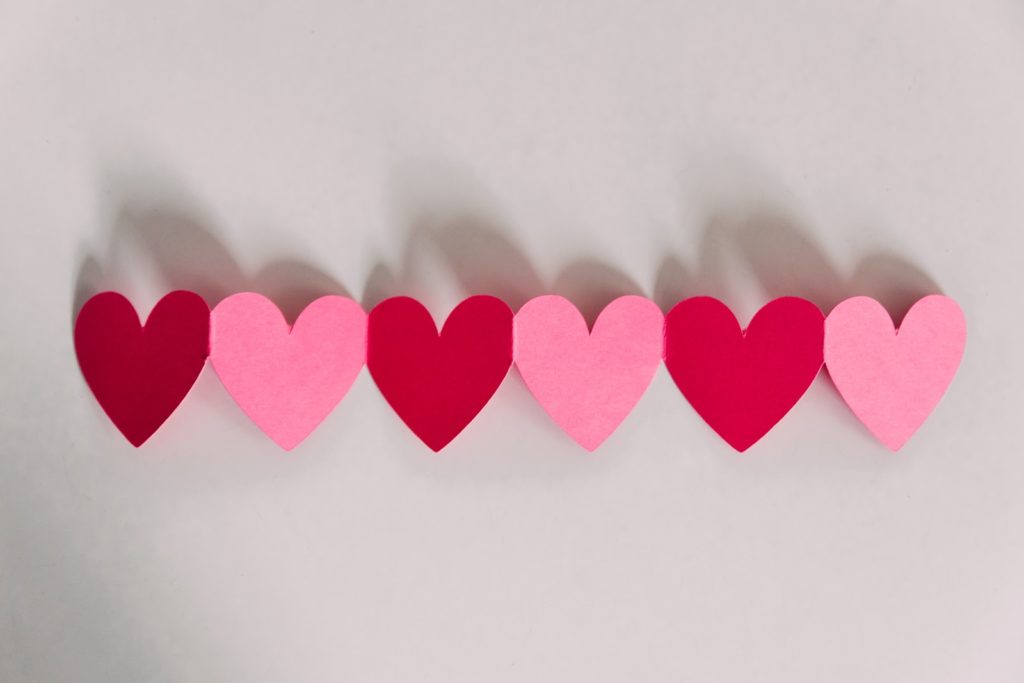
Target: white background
741	149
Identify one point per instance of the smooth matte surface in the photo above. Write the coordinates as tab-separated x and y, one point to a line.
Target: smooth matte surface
439	376
287	376
892	379
588	379
140	367
739	149
743	378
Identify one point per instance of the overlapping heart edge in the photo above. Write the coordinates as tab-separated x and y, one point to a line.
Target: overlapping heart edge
139	390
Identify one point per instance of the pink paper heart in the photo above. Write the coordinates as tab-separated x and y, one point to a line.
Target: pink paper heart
287	379
588	381
892	380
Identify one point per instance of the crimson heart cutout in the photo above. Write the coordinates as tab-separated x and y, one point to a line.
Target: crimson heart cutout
742	382
139	374
437	383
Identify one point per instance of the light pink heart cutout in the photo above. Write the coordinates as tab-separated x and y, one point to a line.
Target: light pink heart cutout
287	379
892	380
588	381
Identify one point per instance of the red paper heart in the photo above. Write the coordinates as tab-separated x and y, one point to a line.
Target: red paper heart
139	374
743	381
437	383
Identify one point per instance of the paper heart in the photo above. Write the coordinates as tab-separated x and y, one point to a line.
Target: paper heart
437	383
743	382
588	381
287	379
892	380
139	374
